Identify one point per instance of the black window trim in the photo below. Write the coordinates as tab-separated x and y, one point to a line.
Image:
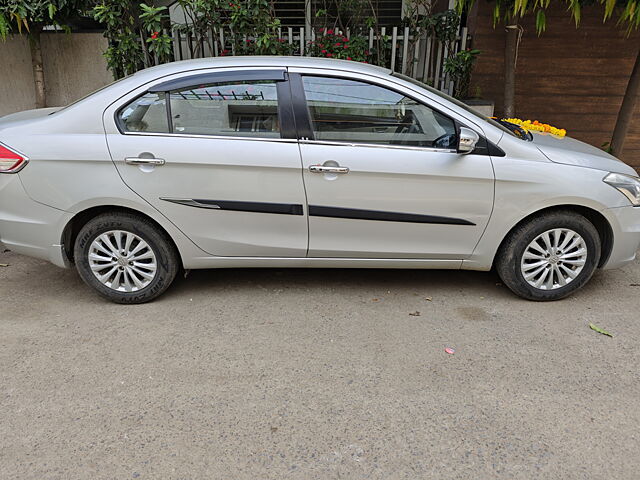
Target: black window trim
279	75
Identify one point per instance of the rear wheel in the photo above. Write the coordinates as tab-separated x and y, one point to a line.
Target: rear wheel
549	257
125	258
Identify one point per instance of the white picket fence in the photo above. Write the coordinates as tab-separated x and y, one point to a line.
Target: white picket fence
422	58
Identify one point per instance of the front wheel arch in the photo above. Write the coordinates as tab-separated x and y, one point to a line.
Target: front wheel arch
80	219
602	225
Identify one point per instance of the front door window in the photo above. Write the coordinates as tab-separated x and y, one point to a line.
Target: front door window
351	111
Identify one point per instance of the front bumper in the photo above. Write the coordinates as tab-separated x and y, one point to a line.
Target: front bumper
28	227
625	223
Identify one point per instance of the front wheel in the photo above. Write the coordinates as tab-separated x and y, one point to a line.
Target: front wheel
125	258
549	257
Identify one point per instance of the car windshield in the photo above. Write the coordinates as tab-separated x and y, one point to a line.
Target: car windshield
462	105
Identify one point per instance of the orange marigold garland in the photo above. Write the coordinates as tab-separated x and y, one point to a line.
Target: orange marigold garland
536	126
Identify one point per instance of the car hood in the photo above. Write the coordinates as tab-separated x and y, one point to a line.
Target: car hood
570	151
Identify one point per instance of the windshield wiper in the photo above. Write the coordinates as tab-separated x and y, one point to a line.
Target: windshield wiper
516	129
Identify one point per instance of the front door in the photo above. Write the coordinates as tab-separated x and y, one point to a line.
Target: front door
382	176
216	154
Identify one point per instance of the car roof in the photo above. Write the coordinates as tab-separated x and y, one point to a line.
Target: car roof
262	61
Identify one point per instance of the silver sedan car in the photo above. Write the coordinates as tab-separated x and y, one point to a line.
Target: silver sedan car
304	162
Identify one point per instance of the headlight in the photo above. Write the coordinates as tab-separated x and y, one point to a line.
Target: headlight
627	185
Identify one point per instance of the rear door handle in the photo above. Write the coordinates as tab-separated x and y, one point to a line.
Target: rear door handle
324	169
143	161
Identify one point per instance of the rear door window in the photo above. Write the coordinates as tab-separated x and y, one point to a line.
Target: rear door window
242	108
147	113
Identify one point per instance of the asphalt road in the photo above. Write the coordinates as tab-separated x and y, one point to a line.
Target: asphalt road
317	374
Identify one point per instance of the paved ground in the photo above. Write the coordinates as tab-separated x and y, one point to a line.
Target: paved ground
317	374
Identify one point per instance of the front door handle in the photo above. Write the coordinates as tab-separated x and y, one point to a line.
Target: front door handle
143	161
327	169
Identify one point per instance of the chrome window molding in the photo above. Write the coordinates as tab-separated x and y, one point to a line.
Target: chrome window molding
376	145
291	140
211	137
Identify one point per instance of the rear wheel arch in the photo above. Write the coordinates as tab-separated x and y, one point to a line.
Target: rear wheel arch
598	220
80	219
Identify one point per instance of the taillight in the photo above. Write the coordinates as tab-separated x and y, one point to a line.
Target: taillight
10	161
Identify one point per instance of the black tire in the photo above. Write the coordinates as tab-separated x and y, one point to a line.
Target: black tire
509	258
166	257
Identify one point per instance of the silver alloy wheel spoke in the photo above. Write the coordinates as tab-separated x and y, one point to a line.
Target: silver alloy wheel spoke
99	247
100	267
553	259
529	266
533	256
122	261
577	253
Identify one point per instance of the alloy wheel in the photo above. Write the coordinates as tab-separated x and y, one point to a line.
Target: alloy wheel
122	261
554	259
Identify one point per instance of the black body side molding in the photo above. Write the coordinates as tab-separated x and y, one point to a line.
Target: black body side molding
358	214
255	207
317	211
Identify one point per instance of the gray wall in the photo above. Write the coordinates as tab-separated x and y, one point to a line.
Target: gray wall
73	67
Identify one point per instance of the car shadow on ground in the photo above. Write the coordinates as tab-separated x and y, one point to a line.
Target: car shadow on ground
50	281
345	280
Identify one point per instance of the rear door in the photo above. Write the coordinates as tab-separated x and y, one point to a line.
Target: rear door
216	153
382	175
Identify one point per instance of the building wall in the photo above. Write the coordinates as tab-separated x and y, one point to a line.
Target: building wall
570	78
73	67
16	78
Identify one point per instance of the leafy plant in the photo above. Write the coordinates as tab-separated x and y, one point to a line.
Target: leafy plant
331	44
159	44
125	54
135	33
459	68
423	23
202	19
254	29
249	27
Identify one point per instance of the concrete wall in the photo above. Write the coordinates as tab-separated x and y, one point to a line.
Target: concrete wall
16	77
73	67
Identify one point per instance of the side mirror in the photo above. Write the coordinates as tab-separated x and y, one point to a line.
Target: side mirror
467	140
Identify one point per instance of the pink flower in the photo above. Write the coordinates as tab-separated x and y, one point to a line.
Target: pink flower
348	58
329	55
329	32
323	51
